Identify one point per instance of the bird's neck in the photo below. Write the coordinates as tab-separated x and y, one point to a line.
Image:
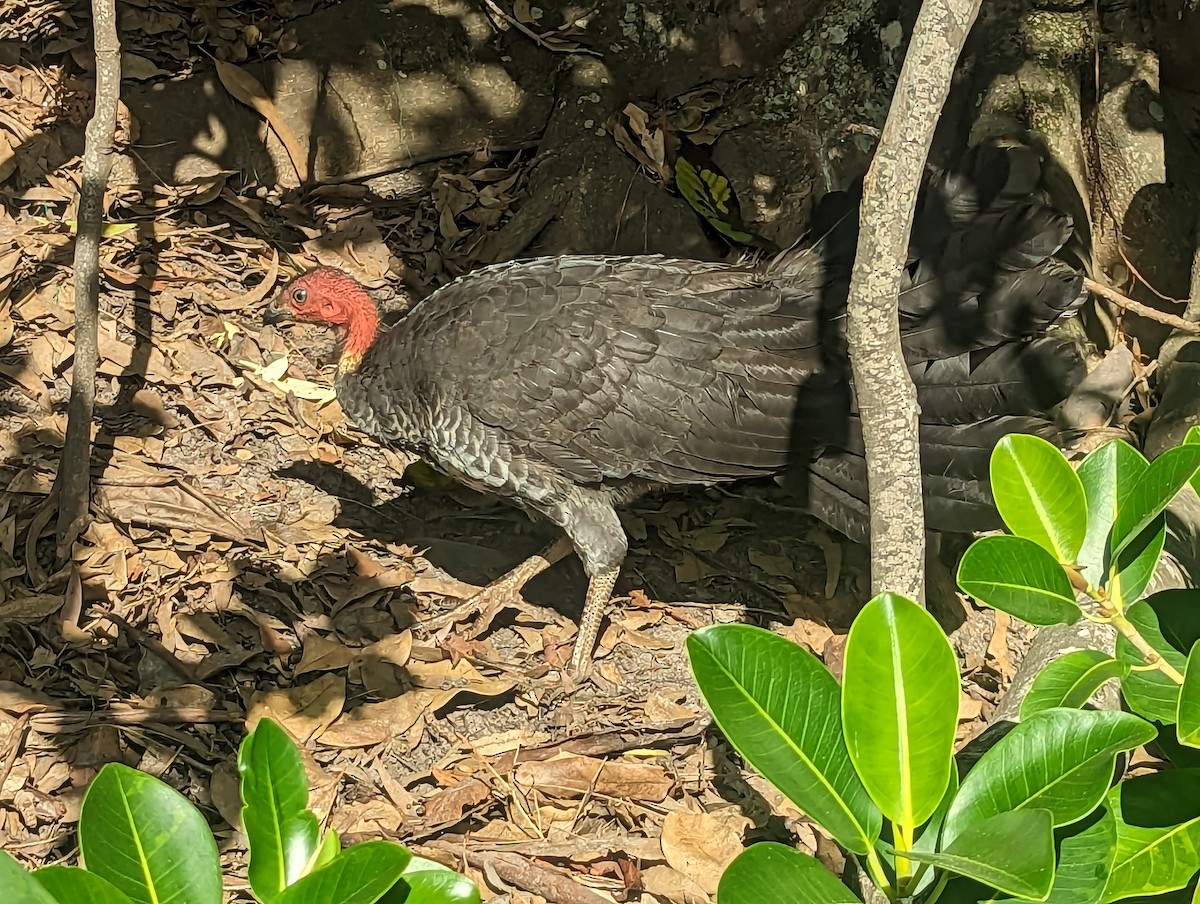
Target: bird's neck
361	330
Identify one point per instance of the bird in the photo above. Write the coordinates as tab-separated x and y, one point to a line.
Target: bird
571	385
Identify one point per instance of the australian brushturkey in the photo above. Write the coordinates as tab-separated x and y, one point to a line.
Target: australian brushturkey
570	385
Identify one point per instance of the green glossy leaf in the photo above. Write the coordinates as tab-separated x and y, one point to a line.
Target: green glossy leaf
146	839
781	708
1085	860
429	882
19	886
1149	692
1060	760
361	874
1188	714
1070	680
331	846
1136	563
931	833
1012	852
1038	494
900	695
1017	576
1178	614
69	884
1105	472
1192	438
781	875
1158	833
282	833
1152	492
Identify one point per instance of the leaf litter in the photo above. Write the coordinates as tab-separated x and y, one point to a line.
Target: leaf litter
253	555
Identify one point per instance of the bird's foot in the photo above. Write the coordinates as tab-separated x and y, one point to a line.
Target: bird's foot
502	593
481	608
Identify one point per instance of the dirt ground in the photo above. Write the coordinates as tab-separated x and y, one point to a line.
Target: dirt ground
252	554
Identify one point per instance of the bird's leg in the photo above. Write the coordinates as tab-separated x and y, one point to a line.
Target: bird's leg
506	587
599	592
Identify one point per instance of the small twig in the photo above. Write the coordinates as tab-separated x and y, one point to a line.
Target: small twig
538	39
1138	276
74	477
68	723
514	869
1142	310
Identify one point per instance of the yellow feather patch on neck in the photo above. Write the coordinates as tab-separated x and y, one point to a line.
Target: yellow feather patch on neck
349	362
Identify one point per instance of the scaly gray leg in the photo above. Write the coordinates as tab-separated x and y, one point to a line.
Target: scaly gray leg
599	592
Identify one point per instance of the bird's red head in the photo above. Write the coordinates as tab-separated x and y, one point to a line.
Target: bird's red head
329	296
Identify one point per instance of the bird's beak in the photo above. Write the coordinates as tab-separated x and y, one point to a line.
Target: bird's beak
276	313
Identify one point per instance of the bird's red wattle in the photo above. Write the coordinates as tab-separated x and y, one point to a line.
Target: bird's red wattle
362	327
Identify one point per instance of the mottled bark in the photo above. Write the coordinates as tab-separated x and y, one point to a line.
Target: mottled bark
887	398
73	482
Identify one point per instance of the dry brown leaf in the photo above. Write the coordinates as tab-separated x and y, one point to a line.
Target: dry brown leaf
246	88
969	707
27	610
324	655
457	678
998	644
662	706
68	624
263	289
701	845
669	884
447	806
779	566
573	776
779	804
225	792
6	322
808	633
163	503
17	701
374	817
377	723
832	550
305	711
8	158
27	379
138	67
394	649
692	570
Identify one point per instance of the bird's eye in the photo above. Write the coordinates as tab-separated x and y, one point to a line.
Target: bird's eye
300	296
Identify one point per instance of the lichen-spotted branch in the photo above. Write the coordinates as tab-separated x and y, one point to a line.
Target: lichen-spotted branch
73	482
886	396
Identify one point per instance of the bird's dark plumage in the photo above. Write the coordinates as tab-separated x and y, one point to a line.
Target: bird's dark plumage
570	384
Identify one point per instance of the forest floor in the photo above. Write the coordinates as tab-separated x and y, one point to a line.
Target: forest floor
252	554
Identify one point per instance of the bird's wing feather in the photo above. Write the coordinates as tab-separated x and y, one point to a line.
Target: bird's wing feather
628	368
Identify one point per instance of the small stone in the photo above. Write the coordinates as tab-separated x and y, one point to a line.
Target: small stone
892	35
1156	111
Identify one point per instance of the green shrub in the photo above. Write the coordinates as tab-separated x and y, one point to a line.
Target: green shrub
141	841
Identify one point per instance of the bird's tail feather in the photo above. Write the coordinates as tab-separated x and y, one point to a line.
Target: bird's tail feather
981	264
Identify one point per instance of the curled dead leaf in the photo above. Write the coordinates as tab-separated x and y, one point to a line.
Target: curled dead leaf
574	776
701	845
305	711
244	87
